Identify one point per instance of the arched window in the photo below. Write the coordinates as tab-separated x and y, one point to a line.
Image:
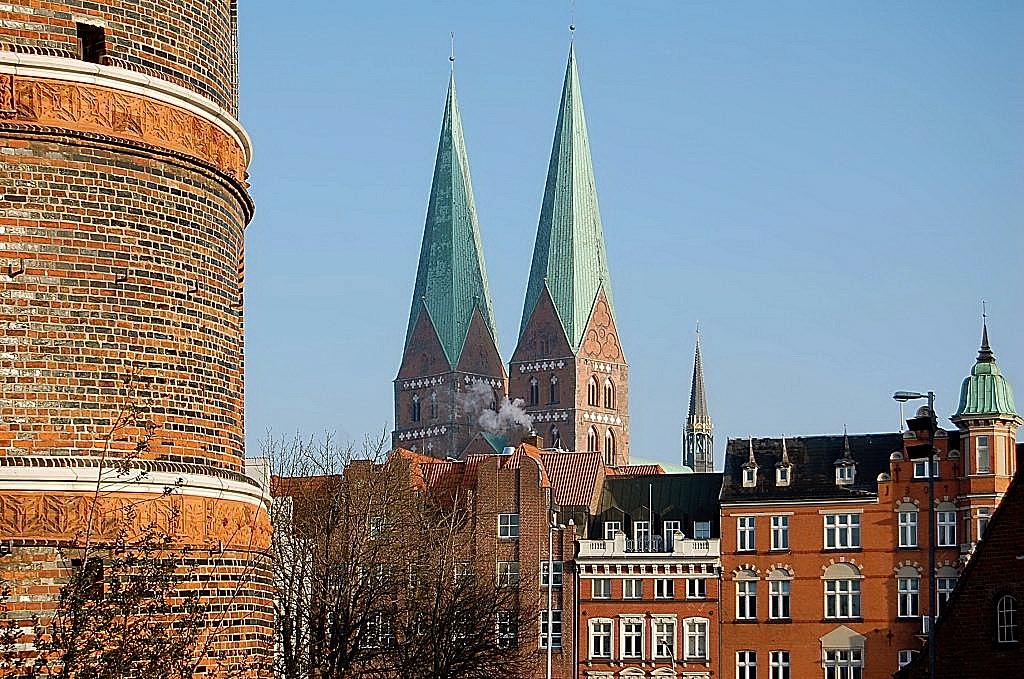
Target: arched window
556	437
1006	620
779	586
907	514
534	391
609	394
494	399
945	583
592	392
609	448
908	592
746	594
433	405
414	408
592	440
554	389
842	590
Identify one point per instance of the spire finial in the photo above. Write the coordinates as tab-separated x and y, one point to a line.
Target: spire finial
985	354
451	56
785	453
572	19
750	443
846	444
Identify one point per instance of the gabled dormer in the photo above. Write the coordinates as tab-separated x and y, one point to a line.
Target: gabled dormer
783	468
846	466
750	468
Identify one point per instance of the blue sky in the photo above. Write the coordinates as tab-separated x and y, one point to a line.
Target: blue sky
830	188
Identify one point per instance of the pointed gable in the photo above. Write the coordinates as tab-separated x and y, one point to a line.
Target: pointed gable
569	256
451	280
601	337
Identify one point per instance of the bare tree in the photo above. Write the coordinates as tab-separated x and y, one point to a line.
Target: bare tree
375	573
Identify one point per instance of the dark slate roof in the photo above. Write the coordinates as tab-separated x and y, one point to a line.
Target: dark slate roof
813	461
674	497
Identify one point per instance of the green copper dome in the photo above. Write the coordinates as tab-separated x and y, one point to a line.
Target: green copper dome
986	391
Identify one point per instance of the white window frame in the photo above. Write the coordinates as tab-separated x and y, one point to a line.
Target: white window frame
508	526
746	599
780	533
508	573
506	629
906	656
633	588
611	528
908	592
750	477
983	454
696	588
631	637
663	632
556	628
946	520
696	634
984	514
702	530
641	530
557	568
944	587
664	588
601	588
921	468
779	665
746	664
780	599
746	535
843	530
845	474
599	639
908	528
1007	627
669	530
843	663
782	476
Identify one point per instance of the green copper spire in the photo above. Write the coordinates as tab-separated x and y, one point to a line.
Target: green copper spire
986	392
569	255
451	280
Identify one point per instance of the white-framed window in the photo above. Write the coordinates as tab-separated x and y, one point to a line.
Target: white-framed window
749	476
601	588
921	468
556	570
506	625
745	534
632	643
702	530
378	631
463	572
842	531
1006	620
664	638
780	532
845	474
907	656
746	665
376	527
696	588
908	526
600	638
909	592
508	573
946	520
664	588
746	599
669	530
782	476
842	591
984	513
982	455
632	588
508	526
556	629
778	599
695	643
779	664
844	663
945	583
611	528
642	531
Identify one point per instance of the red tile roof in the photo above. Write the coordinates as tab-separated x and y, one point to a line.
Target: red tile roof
574	477
635	470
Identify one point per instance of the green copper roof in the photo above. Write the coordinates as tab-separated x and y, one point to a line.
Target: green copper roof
451	280
569	255
986	391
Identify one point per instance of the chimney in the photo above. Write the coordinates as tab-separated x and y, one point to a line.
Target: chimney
534	439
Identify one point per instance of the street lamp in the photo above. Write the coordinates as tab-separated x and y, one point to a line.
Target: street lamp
929	453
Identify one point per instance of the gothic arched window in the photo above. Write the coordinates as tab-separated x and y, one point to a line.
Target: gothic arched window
494	399
556	437
554	390
414	409
609	394
592	440
534	391
1006	619
609	448
592	392
433	405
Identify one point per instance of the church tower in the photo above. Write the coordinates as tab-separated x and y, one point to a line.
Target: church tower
568	365
988	421
698	442
451	368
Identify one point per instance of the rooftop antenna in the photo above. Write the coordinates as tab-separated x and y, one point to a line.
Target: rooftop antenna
451	56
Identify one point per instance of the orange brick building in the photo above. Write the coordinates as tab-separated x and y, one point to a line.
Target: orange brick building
123	205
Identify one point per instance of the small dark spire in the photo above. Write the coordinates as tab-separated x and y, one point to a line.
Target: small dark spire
785	455
985	354
750	461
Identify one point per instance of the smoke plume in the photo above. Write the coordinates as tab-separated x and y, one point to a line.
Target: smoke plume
509	420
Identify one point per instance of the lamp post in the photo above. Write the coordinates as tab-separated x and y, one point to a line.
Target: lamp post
902	397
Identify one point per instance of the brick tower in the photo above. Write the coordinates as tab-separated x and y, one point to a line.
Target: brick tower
451	369
123	204
568	365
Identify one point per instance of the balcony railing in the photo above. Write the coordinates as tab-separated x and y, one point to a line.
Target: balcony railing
621	546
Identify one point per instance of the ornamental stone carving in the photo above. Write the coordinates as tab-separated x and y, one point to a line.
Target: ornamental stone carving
601	339
6	93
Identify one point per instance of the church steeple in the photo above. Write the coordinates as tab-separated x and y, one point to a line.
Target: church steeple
451	342
568	364
569	256
451	280
698	441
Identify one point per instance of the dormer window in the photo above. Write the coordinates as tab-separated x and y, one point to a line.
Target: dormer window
782	475
845	474
749	476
